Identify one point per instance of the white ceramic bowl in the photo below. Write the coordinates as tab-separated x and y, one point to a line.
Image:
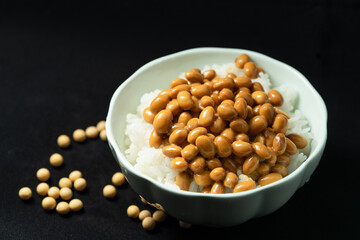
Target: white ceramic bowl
210	209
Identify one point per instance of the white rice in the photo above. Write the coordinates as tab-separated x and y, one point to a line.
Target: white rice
153	163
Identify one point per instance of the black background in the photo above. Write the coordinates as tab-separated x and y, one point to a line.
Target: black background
60	62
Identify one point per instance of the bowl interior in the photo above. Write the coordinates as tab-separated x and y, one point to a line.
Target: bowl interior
158	74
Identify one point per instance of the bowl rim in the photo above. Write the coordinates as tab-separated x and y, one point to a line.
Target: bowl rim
300	170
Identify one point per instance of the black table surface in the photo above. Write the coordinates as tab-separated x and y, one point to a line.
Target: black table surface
60	63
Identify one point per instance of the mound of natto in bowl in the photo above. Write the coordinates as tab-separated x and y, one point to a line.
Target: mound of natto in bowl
219	129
